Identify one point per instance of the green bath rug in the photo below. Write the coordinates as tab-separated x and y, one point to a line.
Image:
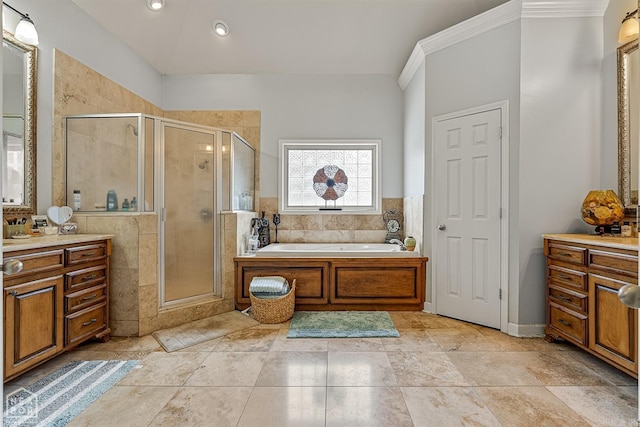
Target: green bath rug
341	324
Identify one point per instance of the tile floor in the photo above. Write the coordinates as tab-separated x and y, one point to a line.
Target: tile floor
440	372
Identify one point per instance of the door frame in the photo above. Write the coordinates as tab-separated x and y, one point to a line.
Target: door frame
503	106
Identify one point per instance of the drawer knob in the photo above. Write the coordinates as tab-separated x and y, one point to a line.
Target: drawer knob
12	266
90	322
564	254
89	277
564	277
89	254
563	298
564	322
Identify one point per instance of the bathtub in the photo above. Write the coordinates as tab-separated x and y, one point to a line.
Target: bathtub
334	250
339	276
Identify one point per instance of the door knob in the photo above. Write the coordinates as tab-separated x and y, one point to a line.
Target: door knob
11	266
442	227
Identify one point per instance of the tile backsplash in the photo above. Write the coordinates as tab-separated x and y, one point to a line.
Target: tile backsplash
328	227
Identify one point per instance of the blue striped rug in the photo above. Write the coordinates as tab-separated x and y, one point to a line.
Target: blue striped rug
55	399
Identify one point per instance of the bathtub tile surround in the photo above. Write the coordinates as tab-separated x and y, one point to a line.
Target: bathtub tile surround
257	376
321	228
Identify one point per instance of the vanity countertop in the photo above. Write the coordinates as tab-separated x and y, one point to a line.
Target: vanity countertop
12	245
630	243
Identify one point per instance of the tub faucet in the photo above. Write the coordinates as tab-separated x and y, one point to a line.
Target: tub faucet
398	242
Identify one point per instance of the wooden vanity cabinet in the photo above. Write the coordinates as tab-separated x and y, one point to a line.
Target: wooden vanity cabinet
58	300
583	278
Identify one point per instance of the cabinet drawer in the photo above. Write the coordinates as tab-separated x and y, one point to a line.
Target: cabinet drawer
80	279
85	323
84	298
567	253
570	324
38	262
567	277
568	298
87	253
614	262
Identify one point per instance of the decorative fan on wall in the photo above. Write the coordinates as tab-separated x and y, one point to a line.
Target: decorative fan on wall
330	183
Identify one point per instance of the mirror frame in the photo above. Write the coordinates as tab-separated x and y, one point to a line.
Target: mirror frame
624	130
31	55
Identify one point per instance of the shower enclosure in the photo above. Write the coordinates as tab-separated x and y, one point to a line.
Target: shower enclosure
181	171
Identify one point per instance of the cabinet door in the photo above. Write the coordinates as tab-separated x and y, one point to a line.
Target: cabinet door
33	323
612	325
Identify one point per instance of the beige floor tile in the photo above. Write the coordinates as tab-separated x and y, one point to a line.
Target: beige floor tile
285	407
602	406
294	368
466	339
204	406
252	339
355	344
145	343
563	368
407	319
423	369
366	407
529	406
447	406
412	340
164	369
603	369
282	343
125	406
509	343
434	321
495	368
365	369
239	369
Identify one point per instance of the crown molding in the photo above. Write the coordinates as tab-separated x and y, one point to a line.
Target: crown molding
563	8
498	16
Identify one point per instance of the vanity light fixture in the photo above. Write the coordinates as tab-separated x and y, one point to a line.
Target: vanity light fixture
155	5
25	30
630	28
221	28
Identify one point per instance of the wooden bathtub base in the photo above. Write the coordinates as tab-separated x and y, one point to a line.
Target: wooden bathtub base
396	284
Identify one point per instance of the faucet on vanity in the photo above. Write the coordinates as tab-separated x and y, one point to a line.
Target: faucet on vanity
398	242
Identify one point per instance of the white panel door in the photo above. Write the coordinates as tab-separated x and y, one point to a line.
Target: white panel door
467	205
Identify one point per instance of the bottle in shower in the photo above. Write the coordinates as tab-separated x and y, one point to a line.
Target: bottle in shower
125	205
76	200
134	204
112	200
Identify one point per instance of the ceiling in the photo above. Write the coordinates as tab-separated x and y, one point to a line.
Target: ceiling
280	36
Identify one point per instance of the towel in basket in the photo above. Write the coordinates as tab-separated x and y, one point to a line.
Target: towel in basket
269	286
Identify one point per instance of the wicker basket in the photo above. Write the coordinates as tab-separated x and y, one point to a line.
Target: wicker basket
274	310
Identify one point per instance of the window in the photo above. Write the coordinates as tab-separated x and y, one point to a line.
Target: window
329	175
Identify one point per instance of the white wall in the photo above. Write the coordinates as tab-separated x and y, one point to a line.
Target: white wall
560	134
414	134
64	26
319	106
475	72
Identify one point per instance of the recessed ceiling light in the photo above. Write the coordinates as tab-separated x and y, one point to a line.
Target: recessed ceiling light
155	5
221	28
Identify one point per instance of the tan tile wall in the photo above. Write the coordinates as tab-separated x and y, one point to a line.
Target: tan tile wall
328	227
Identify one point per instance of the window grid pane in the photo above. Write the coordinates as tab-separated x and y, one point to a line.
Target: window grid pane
303	165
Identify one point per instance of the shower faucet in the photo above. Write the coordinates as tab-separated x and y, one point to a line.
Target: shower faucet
398	242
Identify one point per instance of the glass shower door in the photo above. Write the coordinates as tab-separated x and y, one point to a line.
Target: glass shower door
188	216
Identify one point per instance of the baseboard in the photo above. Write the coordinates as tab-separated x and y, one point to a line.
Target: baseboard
427	307
526	330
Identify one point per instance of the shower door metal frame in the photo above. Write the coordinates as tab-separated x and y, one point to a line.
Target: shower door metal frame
159	126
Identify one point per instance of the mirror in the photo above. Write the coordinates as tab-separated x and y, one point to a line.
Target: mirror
628	126
18	126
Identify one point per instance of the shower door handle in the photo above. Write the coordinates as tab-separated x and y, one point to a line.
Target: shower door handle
442	227
205	215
